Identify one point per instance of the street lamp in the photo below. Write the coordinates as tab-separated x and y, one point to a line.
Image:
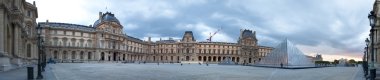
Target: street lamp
39	75
366	57
372	21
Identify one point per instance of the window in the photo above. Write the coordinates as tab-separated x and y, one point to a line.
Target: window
29	13
29	50
73	55
89	55
81	55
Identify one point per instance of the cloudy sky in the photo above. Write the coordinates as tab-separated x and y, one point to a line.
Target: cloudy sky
334	28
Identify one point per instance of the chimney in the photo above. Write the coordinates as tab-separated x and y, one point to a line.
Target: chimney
34	3
47	21
100	15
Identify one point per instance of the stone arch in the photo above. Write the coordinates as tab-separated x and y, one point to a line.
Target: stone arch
209	59
237	59
199	58
204	58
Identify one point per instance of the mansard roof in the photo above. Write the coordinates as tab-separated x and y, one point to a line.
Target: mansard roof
106	17
67	26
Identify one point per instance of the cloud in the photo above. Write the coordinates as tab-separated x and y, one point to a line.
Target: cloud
336	27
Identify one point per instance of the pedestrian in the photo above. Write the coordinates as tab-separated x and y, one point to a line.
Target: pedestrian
181	64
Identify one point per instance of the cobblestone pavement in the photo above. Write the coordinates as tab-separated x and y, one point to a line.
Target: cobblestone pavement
119	71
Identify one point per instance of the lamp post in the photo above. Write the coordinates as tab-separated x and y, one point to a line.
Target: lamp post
39	75
372	21
43	55
366	57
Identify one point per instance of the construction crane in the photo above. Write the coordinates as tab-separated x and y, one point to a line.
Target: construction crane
211	35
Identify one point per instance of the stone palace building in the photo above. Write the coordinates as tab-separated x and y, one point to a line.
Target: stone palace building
18	41
104	41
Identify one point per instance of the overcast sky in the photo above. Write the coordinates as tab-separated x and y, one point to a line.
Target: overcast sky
334	28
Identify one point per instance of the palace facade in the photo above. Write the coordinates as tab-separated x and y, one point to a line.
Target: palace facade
18	43
105	41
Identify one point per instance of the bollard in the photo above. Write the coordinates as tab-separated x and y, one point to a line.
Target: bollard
30	73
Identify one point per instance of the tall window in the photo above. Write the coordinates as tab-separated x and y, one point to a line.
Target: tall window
73	40
81	43
73	55
28	50
64	55
89	55
81	55
55	55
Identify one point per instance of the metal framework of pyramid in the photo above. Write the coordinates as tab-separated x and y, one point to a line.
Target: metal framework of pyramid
286	54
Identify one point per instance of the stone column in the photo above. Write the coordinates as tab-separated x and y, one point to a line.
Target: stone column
2	31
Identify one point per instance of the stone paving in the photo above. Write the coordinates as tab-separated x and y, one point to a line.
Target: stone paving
132	71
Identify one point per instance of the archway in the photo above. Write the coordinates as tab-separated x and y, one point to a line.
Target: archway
187	58
204	58
214	58
219	59
114	56
102	56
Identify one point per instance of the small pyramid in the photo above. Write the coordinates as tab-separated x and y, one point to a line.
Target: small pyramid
227	61
287	54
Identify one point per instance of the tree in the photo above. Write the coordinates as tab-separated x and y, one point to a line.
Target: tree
351	61
335	62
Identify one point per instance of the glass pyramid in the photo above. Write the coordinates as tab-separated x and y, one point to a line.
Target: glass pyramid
227	61
287	54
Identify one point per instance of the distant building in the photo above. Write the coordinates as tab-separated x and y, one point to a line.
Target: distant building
318	57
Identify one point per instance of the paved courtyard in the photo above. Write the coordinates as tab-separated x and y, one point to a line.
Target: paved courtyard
119	71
